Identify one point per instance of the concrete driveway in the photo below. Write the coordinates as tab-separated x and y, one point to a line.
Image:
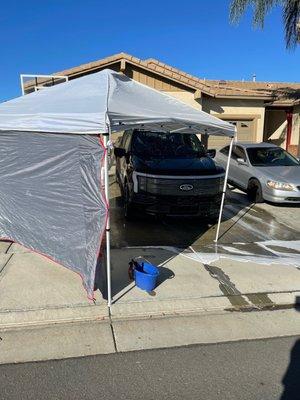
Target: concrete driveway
255	267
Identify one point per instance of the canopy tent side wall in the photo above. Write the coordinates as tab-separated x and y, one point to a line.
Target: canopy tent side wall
50	200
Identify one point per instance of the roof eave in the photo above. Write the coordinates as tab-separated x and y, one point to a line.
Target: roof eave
124	59
242	97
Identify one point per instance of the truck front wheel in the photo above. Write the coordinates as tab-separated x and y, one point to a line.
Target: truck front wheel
213	219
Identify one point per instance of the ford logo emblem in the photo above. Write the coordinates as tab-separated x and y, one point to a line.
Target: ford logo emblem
186	187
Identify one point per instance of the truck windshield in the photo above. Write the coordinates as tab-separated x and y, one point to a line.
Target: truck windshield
270	157
166	145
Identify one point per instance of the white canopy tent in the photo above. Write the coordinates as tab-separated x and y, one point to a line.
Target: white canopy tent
99	104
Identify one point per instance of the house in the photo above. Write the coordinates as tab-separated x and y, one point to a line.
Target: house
261	111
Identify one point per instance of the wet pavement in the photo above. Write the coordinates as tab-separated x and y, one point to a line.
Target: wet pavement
243	224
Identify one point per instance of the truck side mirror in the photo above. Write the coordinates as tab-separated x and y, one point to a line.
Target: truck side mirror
211	153
119	152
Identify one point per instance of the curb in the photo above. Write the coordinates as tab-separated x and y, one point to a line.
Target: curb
52	316
60	341
142	310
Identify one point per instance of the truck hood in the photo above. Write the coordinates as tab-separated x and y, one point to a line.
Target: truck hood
177	166
282	174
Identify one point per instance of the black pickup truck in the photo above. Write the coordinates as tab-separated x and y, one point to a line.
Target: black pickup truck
169	174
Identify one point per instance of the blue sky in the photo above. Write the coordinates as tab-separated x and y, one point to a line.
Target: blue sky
193	35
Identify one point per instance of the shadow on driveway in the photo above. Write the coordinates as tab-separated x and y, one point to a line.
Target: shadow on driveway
291	379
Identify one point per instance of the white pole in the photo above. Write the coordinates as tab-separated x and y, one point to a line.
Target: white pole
224	190
106	183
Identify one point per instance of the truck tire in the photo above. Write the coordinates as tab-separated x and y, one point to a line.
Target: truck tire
213	220
254	191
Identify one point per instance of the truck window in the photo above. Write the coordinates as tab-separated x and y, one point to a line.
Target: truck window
166	145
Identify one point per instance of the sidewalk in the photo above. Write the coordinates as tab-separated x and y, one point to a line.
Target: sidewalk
200	298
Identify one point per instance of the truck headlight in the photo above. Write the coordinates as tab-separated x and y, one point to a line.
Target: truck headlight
280	186
142	180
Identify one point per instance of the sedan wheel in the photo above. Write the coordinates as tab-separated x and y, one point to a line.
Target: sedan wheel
254	191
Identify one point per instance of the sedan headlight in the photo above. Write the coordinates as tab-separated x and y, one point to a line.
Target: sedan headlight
280	186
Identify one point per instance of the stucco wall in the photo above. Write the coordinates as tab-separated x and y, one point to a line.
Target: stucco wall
268	125
186	97
295	139
231	108
275	127
227	108
235	109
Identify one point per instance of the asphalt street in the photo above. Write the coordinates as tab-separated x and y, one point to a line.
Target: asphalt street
260	370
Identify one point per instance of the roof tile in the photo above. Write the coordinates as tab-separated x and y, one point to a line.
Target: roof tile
230	88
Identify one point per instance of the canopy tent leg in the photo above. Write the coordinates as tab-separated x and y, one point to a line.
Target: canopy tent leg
107	228
224	190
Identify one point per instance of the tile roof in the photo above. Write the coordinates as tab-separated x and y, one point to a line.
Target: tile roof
290	92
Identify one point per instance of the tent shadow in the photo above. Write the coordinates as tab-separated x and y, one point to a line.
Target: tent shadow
291	379
164	275
121	282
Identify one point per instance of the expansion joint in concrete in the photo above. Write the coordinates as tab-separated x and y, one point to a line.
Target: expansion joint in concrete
4	266
112	331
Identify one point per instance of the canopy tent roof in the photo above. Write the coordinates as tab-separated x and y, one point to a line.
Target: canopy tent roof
88	105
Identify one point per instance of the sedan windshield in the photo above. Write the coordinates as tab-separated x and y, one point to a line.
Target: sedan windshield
270	157
166	145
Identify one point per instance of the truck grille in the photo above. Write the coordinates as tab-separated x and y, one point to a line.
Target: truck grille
183	186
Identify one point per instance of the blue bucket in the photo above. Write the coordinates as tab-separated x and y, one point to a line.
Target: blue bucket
145	275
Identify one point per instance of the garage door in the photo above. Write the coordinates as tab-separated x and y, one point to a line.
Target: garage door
245	133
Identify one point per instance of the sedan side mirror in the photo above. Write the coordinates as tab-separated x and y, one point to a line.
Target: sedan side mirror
241	161
119	152
211	153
